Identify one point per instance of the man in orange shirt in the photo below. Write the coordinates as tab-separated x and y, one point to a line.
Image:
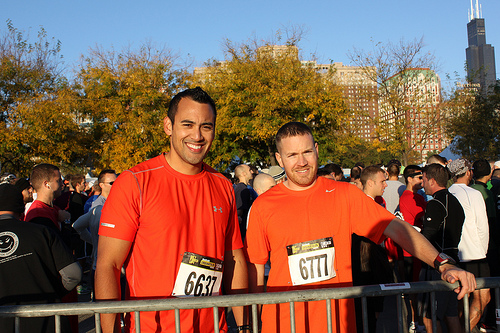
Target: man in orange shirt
171	221
305	224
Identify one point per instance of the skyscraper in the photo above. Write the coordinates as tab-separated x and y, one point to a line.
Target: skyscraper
480	56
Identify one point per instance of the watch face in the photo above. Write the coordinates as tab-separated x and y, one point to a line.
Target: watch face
443	256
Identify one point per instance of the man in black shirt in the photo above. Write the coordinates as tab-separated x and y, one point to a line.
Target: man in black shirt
443	221
35	265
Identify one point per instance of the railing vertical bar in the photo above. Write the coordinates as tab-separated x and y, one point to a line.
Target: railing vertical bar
497	309
364	313
177	315
433	311
97	320
17	324
399	304
255	318
466	313
137	316
57	318
292	317
329	315
216	319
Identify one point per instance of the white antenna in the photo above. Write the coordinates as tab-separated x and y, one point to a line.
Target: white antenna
471	11
480	10
477	10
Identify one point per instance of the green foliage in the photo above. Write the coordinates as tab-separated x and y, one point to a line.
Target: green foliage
475	127
33	125
260	88
125	98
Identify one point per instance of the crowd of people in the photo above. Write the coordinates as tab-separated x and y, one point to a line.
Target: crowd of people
174	227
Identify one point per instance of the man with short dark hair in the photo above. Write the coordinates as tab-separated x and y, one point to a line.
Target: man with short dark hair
374	183
305	224
394	188
412	208
47	182
335	171
443	221
172	220
35	266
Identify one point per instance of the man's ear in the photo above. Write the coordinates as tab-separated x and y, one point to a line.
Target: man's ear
167	125
278	158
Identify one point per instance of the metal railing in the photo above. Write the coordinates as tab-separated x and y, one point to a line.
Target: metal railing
253	300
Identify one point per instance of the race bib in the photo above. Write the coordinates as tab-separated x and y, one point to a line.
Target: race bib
311	261
198	276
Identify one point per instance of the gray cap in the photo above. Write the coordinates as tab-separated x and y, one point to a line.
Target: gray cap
276	172
459	166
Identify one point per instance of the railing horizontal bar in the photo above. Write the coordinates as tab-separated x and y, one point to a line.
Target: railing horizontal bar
228	300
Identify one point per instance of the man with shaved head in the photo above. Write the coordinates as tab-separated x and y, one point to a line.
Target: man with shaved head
263	182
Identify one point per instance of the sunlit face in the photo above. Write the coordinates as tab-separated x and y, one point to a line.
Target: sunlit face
426	185
107	182
298	155
191	135
379	184
56	184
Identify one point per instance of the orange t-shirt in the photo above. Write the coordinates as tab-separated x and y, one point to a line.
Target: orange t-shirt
167	214
282	217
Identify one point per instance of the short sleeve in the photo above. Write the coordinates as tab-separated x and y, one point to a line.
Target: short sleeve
256	242
121	212
369	219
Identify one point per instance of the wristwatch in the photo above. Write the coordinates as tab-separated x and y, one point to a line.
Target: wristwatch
442	259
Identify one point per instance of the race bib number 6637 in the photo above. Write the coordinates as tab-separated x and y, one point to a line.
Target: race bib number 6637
311	261
198	276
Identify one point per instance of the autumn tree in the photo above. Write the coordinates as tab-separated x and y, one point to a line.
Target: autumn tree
474	123
409	95
125	97
260	87
35	127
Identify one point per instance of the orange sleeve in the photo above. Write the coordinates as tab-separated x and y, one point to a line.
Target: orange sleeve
121	211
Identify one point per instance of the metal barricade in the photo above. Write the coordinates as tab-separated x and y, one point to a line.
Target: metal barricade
253	300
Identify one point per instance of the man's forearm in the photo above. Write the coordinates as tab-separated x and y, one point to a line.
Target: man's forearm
412	241
107	287
236	282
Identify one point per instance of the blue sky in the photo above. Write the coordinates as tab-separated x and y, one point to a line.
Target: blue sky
197	28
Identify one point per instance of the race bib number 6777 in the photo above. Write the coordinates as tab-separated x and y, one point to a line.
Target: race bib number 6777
198	276
311	261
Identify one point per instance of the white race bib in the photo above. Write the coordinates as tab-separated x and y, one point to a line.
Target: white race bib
311	261
198	276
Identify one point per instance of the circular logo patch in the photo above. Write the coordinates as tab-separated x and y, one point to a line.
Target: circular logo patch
8	243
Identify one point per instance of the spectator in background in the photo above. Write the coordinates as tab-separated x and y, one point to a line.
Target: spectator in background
374	183
47	182
394	188
442	226
335	171
355	177
36	268
243	194
263	182
278	173
96	192
473	245
26	189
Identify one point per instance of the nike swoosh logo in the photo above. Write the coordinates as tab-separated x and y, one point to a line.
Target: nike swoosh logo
328	191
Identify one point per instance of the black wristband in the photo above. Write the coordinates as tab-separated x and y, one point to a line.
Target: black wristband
243	328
